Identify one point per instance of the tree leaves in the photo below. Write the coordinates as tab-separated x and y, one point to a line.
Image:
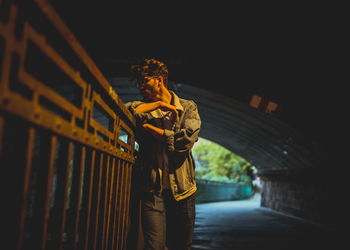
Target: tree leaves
215	162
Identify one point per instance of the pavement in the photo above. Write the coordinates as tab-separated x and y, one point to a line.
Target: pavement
244	225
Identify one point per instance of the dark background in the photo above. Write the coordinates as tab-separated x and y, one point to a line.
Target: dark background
290	54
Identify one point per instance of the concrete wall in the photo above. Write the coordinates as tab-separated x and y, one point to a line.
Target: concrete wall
304	196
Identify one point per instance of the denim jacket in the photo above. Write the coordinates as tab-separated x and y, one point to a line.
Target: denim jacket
178	143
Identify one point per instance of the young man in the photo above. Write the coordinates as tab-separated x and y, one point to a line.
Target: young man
167	128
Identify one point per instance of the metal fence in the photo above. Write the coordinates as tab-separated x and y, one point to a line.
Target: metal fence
66	139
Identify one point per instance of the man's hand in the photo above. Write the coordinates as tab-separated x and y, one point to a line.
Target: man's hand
155	131
168	107
148	107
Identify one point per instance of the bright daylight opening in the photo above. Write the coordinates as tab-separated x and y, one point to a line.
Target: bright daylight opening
222	175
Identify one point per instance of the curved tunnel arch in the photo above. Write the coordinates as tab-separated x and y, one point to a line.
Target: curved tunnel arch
260	138
290	163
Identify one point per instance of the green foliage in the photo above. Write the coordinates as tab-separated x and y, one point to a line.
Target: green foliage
215	162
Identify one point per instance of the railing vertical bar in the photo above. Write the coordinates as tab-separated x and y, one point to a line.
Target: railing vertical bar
90	198
122	184
27	174
77	212
117	187
110	203
128	200
129	194
48	189
98	200
66	185
121	233
126	184
105	201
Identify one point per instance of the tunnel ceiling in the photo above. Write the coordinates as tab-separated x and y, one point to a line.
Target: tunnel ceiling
260	138
220	59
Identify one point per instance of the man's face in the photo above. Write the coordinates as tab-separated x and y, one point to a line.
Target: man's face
149	87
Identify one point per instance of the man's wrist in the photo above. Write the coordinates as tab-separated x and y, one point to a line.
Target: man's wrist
158	132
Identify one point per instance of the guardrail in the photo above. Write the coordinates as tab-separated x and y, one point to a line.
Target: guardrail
65	163
210	191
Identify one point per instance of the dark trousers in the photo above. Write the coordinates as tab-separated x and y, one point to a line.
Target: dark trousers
167	222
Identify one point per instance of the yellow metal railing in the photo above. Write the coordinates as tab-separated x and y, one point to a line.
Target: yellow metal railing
66	139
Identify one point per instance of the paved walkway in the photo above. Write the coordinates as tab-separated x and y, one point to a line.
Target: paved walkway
245	225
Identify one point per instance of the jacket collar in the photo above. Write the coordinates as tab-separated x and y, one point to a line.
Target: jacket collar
176	101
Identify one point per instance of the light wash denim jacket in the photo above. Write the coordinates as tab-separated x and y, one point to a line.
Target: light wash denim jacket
178	143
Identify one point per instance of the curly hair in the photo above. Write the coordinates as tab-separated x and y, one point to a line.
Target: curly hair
150	67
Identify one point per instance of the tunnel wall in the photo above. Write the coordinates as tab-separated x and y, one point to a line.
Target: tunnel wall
304	196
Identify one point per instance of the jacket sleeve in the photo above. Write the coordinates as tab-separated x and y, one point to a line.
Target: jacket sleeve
140	118
182	141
